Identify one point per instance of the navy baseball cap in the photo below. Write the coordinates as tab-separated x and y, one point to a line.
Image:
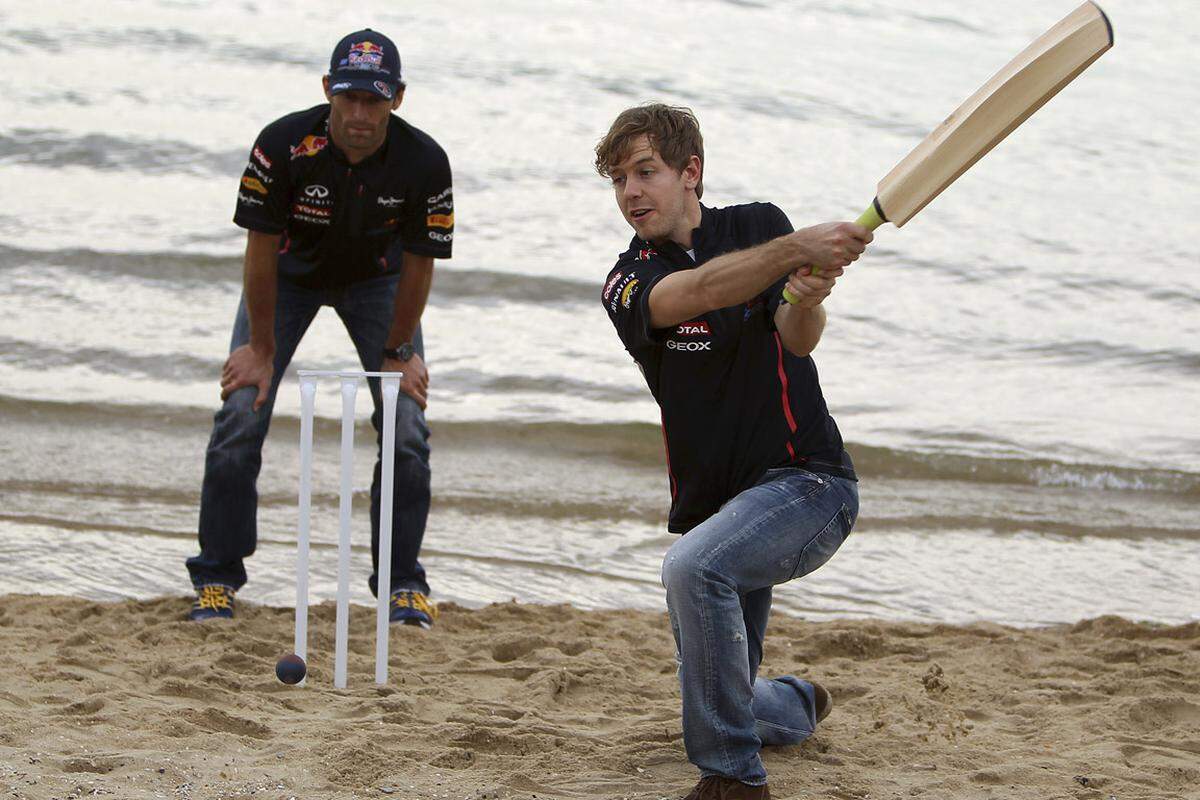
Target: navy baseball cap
365	61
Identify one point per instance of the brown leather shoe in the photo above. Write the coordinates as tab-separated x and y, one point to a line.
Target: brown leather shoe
715	787
822	700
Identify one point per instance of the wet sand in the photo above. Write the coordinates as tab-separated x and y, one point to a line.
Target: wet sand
527	701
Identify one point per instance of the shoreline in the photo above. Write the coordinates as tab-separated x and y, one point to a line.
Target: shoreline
523	701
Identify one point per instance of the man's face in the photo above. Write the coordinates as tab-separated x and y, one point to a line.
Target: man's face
358	120
652	195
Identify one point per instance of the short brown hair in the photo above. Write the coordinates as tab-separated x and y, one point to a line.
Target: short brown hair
674	133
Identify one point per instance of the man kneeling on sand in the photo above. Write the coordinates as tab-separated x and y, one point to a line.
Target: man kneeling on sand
760	481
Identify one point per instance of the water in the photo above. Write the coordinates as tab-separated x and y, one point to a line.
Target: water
1015	371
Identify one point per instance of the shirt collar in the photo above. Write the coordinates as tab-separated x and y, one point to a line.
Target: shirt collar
676	253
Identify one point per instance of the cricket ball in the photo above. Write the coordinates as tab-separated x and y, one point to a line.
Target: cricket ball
290	668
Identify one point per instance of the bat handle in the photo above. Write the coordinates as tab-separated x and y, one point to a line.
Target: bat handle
869	219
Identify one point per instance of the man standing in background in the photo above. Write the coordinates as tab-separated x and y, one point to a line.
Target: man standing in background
760	482
345	205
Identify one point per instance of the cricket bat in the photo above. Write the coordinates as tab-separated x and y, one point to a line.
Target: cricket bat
1020	88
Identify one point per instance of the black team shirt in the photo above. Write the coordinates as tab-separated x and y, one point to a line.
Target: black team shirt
735	403
342	222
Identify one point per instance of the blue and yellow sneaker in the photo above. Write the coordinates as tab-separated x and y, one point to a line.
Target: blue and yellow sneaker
213	601
412	608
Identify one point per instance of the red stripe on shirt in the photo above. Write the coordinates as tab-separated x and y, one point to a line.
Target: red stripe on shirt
783	383
667	448
787	406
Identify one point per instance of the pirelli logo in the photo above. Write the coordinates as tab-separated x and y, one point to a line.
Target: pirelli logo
440	220
254	185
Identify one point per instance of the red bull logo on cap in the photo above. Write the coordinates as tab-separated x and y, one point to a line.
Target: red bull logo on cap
309	146
365	55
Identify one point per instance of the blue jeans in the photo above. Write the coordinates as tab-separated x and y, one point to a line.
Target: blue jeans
229	497
718	580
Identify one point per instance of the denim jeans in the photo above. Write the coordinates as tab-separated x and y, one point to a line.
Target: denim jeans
229	497
718	579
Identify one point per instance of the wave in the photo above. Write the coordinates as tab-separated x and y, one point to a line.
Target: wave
170	40
450	285
55	149
1184	362
640	444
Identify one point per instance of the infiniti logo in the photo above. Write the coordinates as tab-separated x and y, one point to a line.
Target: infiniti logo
316	190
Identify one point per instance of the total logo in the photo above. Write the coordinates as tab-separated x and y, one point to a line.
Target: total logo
301	209
696	328
316	190
690	347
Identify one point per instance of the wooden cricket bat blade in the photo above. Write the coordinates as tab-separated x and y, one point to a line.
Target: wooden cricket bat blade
1020	88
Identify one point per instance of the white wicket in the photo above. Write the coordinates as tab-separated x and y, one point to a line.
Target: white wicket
390	385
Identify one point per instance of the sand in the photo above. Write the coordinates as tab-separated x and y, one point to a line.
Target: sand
523	701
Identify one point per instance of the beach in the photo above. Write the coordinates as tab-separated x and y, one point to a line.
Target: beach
549	701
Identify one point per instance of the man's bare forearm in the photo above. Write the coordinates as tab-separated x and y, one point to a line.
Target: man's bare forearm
412	293
260	284
800	328
726	280
736	277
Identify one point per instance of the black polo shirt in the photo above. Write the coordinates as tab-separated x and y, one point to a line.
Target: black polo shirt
734	401
343	222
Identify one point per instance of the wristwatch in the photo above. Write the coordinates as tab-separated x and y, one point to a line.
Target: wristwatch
402	353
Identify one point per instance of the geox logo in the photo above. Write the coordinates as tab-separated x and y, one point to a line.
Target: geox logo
690	347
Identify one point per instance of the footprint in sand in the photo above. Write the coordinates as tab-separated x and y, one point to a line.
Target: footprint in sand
98	765
521	646
215	720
